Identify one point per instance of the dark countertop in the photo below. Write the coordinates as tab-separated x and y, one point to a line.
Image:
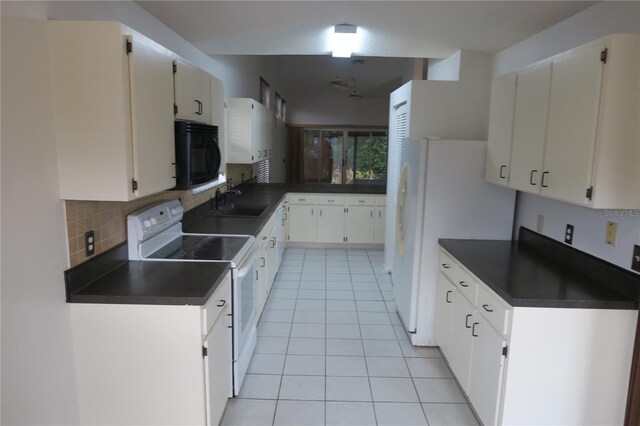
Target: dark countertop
155	283
112	278
524	277
204	220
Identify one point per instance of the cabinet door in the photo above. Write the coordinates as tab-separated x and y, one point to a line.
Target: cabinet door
444	312
461	340
272	259
192	93
152	117
218	368
379	218
302	223
571	133
257	126
359	224
503	96
262	279
487	366
529	128
331	224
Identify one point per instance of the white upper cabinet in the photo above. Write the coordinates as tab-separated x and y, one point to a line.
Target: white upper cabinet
248	131
529	127
575	128
192	93
503	95
113	113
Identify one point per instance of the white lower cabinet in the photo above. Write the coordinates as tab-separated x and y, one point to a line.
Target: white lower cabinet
487	367
302	223
333	218
444	313
462	340
359	224
147	364
331	224
272	244
218	367
533	365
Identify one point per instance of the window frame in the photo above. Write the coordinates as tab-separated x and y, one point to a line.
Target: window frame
265	93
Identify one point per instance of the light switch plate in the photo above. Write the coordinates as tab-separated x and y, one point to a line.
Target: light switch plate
568	234
540	224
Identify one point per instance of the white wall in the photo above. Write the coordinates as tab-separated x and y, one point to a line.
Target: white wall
597	21
339	111
37	367
38	379
445	69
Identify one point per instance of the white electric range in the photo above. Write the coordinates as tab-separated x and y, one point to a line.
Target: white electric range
155	234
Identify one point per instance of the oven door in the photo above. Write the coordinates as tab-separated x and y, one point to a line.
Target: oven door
244	316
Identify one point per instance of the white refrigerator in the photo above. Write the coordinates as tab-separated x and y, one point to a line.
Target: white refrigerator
441	193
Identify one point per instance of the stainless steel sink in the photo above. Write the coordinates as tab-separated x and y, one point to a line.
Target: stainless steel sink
242	210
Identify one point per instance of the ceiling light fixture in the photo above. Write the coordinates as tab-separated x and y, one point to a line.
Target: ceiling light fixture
344	40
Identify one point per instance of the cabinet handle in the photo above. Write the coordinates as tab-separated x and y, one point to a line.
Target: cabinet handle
320	212
263	262
302	199
543	184
504	166
473	329
361	201
259	154
379	213
466	321
531	177
446	298
371	213
486	308
269	151
445	266
285	216
256	275
199	111
311	212
463	284
273	243
221	304
265	152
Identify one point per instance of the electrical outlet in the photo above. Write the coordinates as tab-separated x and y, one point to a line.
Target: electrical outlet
89	243
612	233
635	261
540	225
568	234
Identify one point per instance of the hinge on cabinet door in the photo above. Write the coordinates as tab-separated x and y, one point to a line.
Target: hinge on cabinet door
134	184
590	192
251	106
204	352
225	105
603	55
504	351
175	67
128	47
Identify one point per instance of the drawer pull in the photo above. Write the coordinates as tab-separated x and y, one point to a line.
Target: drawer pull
486	308
445	266
473	329
463	284
446	298
531	182
221	304
504	166
263	262
466	321
361	201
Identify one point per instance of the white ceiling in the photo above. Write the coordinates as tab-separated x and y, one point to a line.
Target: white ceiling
419	29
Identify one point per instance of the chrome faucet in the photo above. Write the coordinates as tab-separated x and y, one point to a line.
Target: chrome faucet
221	197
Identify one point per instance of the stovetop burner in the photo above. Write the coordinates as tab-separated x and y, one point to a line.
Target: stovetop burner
199	247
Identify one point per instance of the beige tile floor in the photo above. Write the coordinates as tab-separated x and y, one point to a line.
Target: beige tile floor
331	351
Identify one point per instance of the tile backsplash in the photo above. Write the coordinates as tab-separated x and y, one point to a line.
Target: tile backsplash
108	219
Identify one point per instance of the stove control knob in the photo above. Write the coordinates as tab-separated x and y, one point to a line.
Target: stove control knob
153	220
147	223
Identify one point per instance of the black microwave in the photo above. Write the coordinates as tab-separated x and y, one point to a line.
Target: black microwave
197	154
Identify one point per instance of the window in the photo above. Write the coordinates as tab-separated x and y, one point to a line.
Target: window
341	156
281	107
265	93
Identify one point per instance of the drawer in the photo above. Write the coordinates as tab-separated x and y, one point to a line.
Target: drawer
448	266
216	304
381	200
361	200
302	199
330	200
493	309
466	283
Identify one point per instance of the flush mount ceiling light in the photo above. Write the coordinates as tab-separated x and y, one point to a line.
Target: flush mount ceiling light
344	40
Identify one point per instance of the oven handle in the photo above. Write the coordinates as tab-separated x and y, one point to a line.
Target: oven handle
249	262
